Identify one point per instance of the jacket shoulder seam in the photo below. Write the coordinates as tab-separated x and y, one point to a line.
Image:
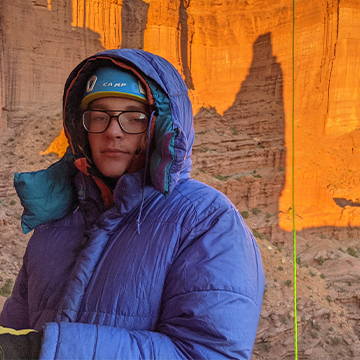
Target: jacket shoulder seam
211	208
212	290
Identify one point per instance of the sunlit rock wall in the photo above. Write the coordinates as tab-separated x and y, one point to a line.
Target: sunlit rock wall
327	137
39	47
236	58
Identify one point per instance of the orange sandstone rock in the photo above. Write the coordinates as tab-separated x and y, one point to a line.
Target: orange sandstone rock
215	44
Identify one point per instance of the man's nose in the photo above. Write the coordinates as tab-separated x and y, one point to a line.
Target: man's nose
114	128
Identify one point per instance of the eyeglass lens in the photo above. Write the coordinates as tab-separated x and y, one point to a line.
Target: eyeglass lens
132	122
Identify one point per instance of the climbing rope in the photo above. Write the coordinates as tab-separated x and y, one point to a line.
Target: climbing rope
293	183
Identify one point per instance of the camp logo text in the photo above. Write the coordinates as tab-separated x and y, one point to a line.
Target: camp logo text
111	84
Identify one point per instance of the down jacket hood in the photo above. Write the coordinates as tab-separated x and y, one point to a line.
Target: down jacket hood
48	194
173	133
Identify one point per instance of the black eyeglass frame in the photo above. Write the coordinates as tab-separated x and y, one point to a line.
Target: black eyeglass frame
120	112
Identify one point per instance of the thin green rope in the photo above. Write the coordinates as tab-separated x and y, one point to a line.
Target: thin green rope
293	185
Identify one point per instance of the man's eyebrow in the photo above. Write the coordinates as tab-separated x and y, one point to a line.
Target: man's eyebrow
134	107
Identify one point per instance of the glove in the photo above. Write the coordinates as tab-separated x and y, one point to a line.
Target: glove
19	345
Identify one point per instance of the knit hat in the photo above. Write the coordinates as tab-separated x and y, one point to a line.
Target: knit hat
111	81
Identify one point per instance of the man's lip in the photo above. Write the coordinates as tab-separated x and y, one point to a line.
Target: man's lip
114	153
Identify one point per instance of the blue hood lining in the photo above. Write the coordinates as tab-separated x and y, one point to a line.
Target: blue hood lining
46	195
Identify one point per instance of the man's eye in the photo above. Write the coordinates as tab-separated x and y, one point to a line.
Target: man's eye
140	118
135	117
99	118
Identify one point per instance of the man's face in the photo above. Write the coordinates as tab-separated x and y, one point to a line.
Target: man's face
113	150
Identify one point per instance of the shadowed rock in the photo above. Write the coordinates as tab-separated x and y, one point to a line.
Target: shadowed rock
342	202
184	42
134	18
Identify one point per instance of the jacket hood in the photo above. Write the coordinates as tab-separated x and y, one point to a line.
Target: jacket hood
49	194
173	133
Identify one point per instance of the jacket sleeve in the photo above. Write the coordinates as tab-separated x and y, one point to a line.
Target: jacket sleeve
210	306
15	313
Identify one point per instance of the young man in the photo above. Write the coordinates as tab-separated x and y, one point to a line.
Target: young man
130	257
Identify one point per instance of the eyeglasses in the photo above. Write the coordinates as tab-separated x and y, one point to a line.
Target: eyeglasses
131	122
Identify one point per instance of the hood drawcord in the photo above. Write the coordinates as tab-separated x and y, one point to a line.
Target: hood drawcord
148	140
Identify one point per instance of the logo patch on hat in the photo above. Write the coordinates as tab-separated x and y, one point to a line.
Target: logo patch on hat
141	88
91	83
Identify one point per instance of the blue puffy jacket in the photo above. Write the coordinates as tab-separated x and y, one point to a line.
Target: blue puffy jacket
188	285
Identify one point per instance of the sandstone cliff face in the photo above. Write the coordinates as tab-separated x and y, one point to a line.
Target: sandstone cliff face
327	131
235	57
214	46
39	48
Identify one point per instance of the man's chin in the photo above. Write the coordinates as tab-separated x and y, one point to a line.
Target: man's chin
112	172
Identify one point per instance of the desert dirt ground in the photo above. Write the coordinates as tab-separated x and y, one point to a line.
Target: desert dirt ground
328	262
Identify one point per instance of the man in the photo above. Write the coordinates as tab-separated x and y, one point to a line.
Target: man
130	257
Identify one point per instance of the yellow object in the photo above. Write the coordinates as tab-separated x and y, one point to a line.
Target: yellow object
4	330
58	145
